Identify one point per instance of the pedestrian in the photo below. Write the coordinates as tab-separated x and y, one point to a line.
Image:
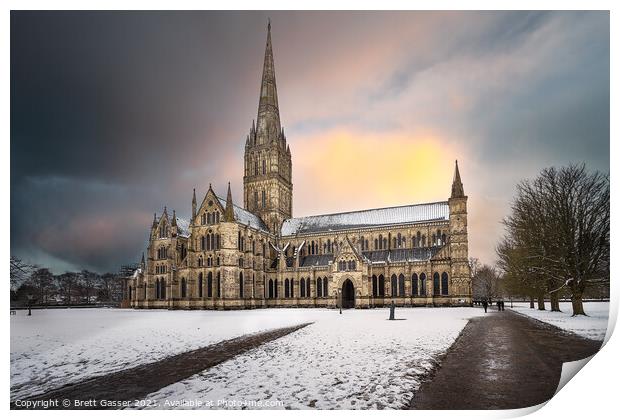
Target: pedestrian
499	305
503	303
392	310
484	305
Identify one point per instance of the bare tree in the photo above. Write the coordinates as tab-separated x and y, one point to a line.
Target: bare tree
43	281
88	282
560	226
20	272
486	283
68	285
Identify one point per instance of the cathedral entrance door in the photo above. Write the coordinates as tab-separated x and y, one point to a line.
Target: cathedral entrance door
348	294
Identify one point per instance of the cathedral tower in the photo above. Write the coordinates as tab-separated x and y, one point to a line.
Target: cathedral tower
461	278
267	183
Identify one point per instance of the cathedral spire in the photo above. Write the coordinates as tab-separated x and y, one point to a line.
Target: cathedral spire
194	205
457	185
229	213
268	121
142	264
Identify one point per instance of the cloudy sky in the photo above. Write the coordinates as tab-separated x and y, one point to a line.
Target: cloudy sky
114	115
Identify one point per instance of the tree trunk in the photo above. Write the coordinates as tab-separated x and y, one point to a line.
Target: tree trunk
541	302
531	302
555	302
577	302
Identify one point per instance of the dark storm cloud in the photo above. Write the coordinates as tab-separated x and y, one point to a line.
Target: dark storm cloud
116	114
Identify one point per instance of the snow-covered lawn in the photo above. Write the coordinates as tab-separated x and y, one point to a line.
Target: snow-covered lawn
54	347
355	360
593	326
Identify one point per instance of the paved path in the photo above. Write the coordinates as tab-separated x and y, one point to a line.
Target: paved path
502	361
138	382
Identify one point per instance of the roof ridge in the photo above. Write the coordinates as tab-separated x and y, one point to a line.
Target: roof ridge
378	208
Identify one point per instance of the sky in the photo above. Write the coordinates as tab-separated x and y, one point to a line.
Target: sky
115	115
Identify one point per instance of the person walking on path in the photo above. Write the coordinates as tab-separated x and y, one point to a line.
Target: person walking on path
484	305
392	310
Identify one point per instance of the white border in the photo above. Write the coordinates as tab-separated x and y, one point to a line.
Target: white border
590	395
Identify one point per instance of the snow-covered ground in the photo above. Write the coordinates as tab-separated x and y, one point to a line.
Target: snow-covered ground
54	347
355	360
593	326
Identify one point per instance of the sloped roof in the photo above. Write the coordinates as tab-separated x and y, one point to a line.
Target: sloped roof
245	217
367	218
402	255
183	227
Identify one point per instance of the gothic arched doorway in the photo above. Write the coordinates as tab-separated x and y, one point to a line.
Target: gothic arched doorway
348	294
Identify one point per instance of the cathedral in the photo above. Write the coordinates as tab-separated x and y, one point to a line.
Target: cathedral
228	256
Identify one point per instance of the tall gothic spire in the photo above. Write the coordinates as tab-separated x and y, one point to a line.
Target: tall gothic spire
229	212
268	121
194	205
457	185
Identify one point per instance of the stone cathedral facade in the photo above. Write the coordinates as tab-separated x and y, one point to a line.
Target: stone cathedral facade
231	257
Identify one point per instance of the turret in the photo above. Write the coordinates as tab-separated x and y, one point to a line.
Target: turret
194	205
229	212
460	282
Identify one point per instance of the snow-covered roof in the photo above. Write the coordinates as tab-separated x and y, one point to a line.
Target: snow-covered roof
401	255
366	218
245	217
183	227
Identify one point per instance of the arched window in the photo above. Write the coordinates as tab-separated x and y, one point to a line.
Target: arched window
255	199
443	238
434	240
264	167
436	285
375	289
423	240
380	241
308	288
145	289
183	288
275	288
325	289
414	285
401	285
162	284
286	288
156	288
302	287
263	199
270	288
240	285
444	283
381	285
292	289
362	243
209	283
394	286
319	287
376	244
423	284
219	286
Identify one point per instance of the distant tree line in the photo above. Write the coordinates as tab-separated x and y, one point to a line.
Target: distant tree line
557	237
41	287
